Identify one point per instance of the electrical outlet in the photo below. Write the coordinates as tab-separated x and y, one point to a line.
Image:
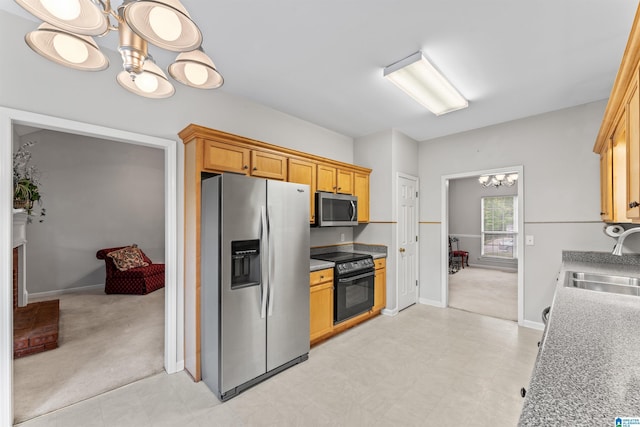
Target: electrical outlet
529	240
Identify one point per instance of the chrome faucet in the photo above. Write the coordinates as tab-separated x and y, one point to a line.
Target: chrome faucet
617	249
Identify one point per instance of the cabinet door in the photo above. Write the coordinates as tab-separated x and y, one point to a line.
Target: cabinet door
606	183
321	310
380	286
268	165
361	191
219	157
633	154
326	178
304	172
344	181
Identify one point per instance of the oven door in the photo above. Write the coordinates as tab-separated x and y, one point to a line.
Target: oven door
353	295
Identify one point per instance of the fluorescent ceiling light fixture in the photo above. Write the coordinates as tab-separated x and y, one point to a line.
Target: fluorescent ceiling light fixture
424	83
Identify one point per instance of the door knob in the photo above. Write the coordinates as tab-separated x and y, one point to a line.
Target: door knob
402	249
633	205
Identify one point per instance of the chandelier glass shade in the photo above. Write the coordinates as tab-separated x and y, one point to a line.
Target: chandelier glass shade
498	180
66	38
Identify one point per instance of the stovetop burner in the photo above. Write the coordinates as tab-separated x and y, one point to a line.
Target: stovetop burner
348	262
341	256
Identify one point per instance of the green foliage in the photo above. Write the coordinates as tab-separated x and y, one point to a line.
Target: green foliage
26	182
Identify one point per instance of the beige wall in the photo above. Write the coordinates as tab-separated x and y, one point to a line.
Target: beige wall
561	192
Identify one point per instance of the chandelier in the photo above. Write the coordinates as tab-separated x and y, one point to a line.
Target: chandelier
498	180
65	37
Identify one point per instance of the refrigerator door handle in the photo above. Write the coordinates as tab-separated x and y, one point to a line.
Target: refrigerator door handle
264	262
271	261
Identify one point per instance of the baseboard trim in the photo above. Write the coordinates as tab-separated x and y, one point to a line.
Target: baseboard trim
533	325
180	365
64	291
388	312
494	267
432	302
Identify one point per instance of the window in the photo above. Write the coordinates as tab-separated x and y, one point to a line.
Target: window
499	227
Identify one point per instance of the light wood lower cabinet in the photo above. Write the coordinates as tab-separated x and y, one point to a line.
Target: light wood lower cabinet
380	285
321	305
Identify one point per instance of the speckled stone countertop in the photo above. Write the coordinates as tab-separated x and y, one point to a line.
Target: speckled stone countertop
588	367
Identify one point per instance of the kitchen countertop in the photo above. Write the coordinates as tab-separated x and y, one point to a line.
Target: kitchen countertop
588	367
318	264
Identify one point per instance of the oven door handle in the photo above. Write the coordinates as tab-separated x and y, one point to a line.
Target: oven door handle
359	276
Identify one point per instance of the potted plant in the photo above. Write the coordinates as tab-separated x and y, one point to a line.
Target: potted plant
26	182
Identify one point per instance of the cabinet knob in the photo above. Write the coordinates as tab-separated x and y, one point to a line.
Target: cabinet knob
402	249
523	392
255	168
633	204
602	213
245	167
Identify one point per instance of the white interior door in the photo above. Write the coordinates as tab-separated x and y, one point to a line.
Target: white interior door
407	240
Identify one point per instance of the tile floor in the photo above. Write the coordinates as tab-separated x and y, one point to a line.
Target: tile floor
425	367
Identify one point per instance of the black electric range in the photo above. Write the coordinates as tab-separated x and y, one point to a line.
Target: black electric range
354	275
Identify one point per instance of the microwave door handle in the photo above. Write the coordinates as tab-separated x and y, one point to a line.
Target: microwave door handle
271	261
353	210
264	262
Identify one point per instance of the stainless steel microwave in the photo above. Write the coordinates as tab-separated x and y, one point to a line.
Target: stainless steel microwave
336	210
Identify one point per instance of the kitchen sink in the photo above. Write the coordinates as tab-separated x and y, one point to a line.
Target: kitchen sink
603	283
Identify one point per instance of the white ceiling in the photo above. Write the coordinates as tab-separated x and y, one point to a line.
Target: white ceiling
322	61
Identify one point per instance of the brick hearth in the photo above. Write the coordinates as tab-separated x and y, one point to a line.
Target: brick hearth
35	327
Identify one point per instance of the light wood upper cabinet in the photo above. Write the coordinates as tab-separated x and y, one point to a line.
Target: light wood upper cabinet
633	152
268	165
335	180
606	183
344	180
618	140
361	191
304	172
326	178
224	157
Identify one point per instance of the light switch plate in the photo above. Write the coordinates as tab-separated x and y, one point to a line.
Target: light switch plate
528	240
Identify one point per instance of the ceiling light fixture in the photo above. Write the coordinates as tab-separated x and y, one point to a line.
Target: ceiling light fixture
424	83
66	39
498	180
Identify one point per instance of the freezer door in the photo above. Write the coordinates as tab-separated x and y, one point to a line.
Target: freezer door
288	305
243	330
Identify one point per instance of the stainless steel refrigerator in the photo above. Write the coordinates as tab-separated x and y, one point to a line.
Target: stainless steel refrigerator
255	280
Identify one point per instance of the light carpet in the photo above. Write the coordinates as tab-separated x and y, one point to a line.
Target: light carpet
485	291
105	342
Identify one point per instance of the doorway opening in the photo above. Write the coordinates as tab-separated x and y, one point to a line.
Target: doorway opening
482	244
173	328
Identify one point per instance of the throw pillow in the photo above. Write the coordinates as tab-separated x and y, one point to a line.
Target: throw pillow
127	258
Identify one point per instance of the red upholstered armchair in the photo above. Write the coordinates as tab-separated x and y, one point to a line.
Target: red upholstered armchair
138	280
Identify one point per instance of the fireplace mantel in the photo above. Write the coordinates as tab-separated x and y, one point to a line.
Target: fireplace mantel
20	242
